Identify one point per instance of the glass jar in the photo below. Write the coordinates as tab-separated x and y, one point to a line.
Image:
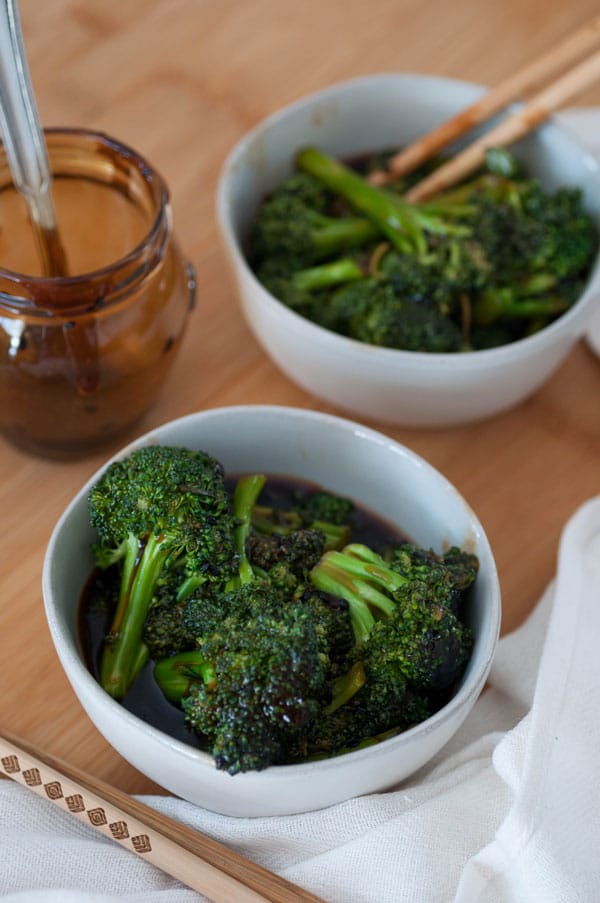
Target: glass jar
83	356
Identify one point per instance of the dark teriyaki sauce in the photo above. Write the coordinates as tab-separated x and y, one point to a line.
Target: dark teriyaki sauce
96	606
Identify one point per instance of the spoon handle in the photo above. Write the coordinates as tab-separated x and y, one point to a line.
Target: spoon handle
21	130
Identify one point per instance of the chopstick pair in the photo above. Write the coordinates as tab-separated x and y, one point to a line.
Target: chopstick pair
194	859
511	129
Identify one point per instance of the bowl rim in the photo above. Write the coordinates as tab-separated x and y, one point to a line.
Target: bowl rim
496	356
70	657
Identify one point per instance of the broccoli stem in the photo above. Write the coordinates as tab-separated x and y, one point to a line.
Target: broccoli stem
361	561
503	303
123	655
327	275
346	686
333	234
245	495
178	674
389	214
403	224
330	579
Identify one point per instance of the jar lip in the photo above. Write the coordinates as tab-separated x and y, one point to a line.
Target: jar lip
158	190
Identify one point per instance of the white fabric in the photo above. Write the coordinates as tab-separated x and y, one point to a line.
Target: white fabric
509	812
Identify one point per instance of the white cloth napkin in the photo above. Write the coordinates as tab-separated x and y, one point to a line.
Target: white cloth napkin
508	812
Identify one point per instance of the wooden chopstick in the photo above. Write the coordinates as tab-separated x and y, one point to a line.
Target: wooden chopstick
523	121
512	88
194	859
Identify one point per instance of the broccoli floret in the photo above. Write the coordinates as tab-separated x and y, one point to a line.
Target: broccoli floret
369	703
453	274
318	506
249	692
268	677
165	632
290	229
409	643
566	238
372	312
331	617
303	289
293	554
262	658
514	303
314	510
454	571
157	509
416	628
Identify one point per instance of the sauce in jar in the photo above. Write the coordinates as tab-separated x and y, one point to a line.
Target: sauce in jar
84	355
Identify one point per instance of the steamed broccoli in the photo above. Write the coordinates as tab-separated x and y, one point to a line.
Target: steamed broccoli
409	638
490	261
416	623
291	224
276	638
301	289
374	313
260	663
159	509
249	687
269	679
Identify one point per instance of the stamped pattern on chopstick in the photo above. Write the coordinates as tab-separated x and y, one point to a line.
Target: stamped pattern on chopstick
75	803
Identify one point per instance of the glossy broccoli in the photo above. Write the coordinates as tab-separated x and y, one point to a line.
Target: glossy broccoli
454	571
285	559
265	654
369	702
416	625
409	638
276	551
260	661
275	646
249	686
161	508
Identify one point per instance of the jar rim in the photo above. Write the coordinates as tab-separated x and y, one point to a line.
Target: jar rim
157	191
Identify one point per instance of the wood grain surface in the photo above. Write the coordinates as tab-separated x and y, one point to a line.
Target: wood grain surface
181	81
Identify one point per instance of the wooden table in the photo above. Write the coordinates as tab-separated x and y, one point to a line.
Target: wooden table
182	80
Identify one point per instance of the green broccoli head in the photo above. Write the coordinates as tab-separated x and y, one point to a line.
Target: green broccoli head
565	236
159	509
424	642
165	632
453	572
292	226
403	613
374	313
319	505
175	492
267	679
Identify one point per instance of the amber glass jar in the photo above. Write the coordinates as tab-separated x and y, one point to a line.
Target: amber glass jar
83	356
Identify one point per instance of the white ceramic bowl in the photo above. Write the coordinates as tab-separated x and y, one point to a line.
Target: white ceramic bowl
400	387
344	457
